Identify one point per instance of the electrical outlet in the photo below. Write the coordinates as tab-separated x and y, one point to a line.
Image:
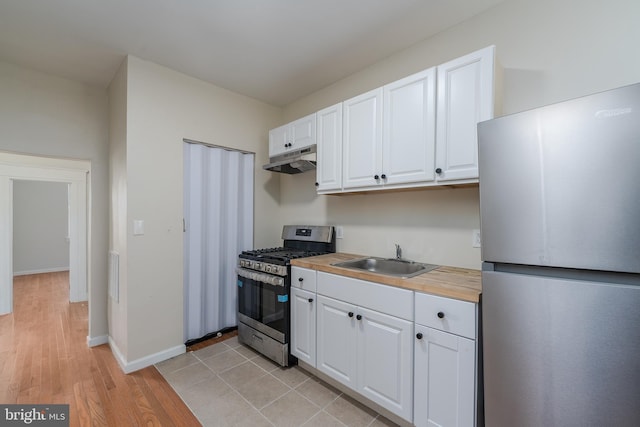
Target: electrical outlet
339	232
475	239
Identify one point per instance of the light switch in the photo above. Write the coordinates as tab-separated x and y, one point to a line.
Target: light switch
138	227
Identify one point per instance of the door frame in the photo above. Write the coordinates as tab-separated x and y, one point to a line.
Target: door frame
76	173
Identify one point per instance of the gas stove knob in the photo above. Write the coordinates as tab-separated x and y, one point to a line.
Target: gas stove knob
267	269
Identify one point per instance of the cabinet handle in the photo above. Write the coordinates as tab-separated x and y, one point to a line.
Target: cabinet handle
300	279
310	299
376	177
441	315
351	314
419	335
438	171
359	317
383	176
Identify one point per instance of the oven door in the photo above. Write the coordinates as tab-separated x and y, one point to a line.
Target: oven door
263	303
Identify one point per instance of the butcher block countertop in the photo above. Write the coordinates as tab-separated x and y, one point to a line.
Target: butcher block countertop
450	282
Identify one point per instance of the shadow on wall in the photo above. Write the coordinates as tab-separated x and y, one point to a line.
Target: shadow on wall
433	208
272	185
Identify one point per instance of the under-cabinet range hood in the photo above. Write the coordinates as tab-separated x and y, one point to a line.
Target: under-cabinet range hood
293	162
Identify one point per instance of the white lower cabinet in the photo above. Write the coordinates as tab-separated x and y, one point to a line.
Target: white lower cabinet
366	349
444	379
385	361
444	362
303	325
412	353
337	345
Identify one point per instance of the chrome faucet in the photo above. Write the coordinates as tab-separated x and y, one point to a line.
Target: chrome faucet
398	251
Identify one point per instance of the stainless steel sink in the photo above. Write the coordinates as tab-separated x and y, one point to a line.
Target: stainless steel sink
388	266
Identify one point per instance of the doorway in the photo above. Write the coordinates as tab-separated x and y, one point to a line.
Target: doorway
76	174
40	227
218	212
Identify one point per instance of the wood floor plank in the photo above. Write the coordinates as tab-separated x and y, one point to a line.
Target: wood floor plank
44	359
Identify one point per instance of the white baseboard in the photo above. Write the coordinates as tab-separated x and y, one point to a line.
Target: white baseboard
96	341
143	362
40	271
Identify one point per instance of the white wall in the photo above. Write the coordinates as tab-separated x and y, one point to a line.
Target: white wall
118	202
550	50
162	108
50	116
40	227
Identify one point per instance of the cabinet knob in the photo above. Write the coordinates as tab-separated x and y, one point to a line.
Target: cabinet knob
441	315
310	300
376	177
350	314
359	317
300	279
317	185
383	176
419	335
438	171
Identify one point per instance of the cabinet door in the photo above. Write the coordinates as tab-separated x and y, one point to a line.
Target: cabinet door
362	140
465	97
303	132
444	379
303	325
409	129
385	361
329	149
336	345
278	140
296	135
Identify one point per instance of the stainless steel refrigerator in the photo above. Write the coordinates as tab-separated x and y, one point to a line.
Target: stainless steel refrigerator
560	227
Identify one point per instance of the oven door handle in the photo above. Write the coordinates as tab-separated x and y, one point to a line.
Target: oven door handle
269	279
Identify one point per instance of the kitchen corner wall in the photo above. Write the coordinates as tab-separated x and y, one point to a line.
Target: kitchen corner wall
153	109
550	50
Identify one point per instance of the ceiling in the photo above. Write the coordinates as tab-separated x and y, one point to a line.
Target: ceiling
276	51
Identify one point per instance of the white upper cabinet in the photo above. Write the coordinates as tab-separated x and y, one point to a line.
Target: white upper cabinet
465	97
329	150
418	131
389	134
362	140
296	135
408	142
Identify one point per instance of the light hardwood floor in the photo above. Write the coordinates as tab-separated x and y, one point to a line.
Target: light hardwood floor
44	358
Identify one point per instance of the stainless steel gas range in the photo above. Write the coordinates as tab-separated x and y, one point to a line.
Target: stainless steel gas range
264	283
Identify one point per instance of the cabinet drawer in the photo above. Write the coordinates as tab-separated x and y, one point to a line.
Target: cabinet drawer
303	278
385	299
446	314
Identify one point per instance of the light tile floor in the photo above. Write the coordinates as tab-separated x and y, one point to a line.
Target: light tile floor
228	384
